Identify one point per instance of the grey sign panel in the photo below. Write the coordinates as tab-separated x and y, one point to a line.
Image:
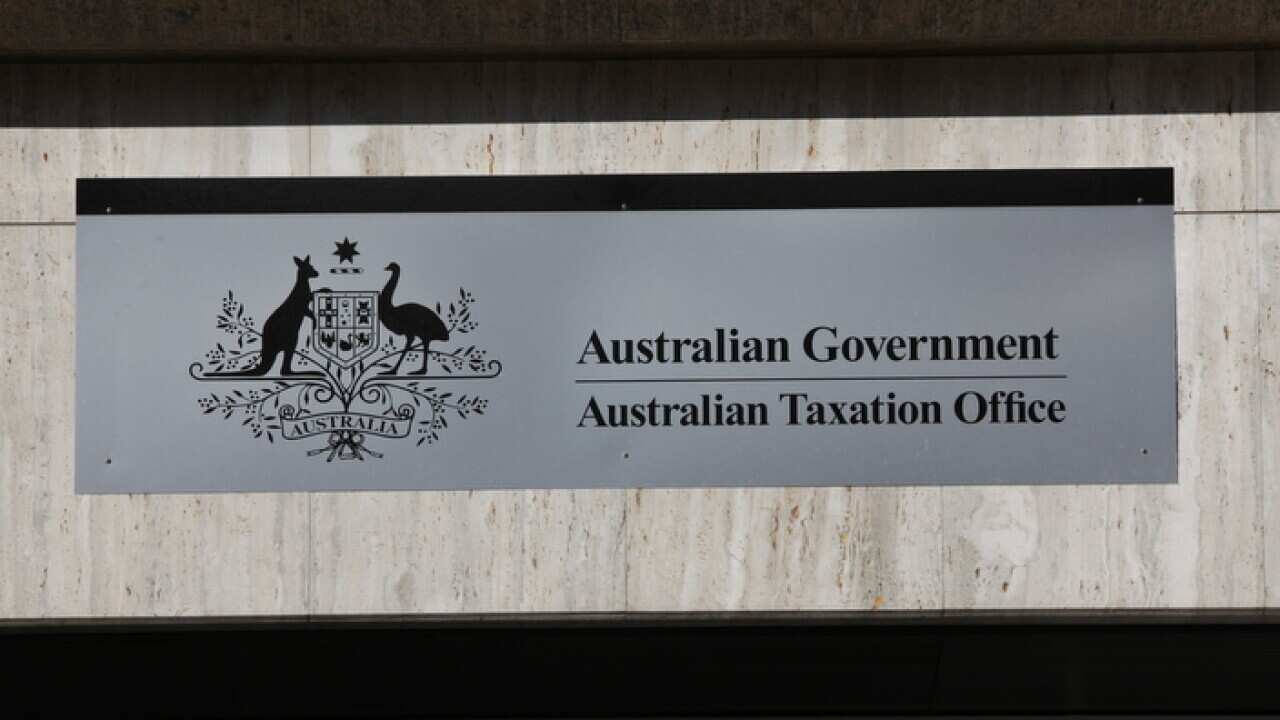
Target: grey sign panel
811	346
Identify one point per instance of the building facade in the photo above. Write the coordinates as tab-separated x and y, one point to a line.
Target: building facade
869	94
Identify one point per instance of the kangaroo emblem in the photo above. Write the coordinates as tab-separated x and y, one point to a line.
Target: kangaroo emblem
280	331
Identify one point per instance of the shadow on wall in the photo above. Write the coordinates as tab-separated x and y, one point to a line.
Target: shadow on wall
213	94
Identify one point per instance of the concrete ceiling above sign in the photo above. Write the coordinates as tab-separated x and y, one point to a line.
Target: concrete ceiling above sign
100	29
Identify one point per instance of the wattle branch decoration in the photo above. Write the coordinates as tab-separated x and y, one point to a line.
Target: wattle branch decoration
439	403
322	388
262	421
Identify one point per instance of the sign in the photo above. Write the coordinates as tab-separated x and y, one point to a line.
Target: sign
924	328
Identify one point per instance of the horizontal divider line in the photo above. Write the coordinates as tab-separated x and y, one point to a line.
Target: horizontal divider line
849	378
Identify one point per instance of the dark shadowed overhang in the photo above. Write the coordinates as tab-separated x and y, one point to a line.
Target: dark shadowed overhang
310	29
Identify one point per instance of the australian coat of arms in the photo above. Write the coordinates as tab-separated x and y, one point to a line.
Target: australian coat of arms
361	372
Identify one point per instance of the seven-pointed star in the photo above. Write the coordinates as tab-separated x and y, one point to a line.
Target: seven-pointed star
346	251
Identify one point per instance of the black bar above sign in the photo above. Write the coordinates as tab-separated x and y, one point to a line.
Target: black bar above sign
722	191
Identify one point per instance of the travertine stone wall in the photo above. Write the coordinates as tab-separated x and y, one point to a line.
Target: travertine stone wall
1214	117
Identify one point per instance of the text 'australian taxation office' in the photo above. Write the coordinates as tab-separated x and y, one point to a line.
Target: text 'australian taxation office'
826	346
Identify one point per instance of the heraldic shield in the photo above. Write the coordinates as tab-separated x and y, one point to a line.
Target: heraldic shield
346	327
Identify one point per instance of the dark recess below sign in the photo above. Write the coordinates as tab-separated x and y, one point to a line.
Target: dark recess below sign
637	666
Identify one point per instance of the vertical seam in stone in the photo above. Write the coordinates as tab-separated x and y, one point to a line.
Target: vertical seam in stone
942	548
1260	442
307	580
625	537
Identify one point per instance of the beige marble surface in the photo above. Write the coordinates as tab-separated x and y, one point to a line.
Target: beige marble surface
44	556
1203	542
1269	397
768	549
1196	543
490	551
